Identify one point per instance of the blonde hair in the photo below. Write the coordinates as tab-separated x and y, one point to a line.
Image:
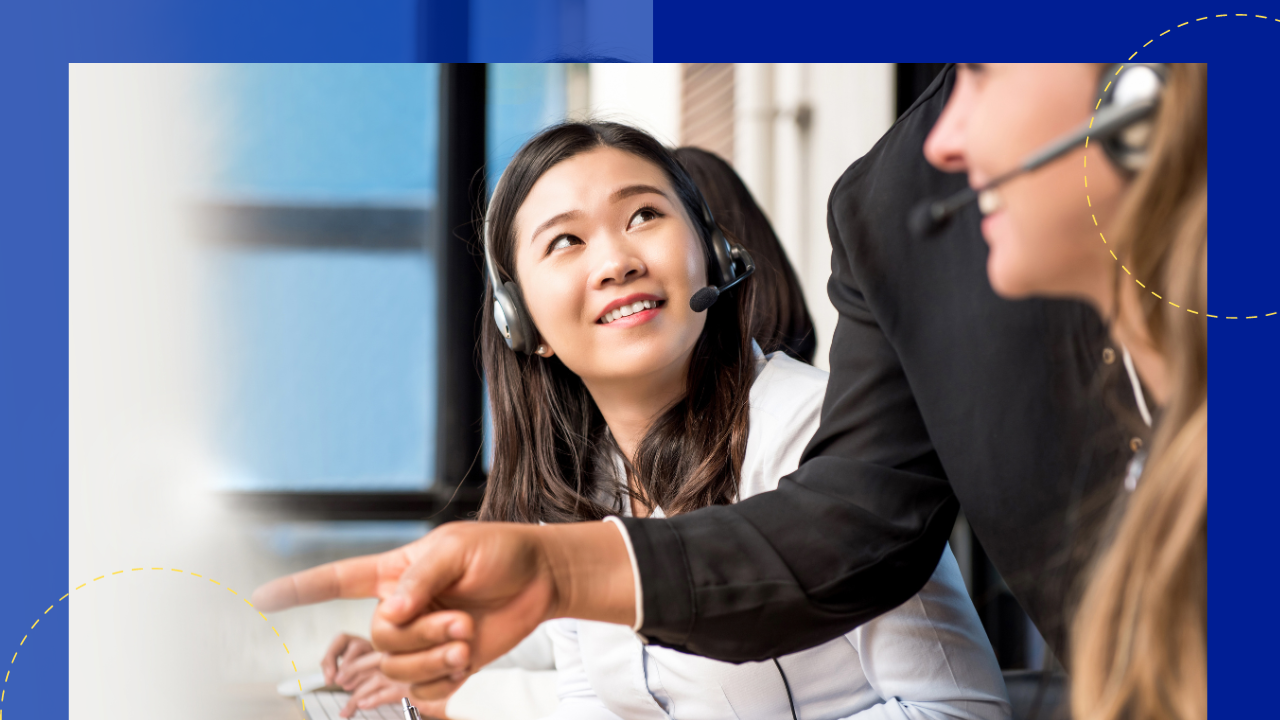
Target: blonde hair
1139	640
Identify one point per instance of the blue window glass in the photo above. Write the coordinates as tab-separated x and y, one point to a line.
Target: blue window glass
326	132
523	98
328	378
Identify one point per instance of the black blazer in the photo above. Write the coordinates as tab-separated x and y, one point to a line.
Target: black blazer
941	395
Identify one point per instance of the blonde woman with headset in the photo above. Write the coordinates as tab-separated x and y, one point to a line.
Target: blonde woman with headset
1140	636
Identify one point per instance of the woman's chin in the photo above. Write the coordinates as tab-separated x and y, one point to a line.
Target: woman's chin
1006	276
1005	280
632	361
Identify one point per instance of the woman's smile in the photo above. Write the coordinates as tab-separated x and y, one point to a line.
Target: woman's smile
991	204
630	311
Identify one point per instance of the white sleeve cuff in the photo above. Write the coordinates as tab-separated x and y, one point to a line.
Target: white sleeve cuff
635	571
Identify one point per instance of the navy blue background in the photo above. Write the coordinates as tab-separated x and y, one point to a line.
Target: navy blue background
37	40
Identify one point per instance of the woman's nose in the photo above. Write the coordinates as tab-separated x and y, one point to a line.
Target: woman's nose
944	147
616	263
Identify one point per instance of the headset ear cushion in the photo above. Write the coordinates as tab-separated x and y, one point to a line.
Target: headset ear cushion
523	334
1128	149
723	254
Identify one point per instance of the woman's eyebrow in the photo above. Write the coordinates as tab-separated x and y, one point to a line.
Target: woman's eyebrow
570	215
630	190
621	194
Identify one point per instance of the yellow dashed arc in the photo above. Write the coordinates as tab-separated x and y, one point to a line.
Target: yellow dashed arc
14	659
1089	200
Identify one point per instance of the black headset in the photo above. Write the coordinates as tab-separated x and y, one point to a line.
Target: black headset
1128	96
733	264
1140	85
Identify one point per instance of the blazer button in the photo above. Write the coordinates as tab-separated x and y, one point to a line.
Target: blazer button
1108	355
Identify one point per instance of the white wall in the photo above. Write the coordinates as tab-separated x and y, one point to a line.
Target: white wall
644	95
853	106
791	170
135	400
754	110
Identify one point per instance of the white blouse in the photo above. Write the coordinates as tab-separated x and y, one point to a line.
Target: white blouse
927	659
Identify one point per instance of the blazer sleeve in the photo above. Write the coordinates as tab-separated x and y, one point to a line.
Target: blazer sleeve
578	700
855	531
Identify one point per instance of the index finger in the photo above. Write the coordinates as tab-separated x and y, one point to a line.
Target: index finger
351	578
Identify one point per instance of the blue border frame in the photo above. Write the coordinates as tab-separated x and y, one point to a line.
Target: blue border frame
37	40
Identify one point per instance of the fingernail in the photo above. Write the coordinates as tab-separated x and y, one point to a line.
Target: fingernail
397	605
459	676
457	630
455	656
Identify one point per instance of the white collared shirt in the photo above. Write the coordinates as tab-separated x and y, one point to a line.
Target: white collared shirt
928	658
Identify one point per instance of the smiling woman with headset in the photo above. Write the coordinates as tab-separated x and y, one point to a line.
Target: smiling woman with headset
622	383
941	394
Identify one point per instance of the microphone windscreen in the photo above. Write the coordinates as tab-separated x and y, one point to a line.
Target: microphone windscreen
704	298
920	222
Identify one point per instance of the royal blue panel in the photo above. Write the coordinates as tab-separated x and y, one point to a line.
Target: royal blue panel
33	361
562	30
233	30
756	31
617	30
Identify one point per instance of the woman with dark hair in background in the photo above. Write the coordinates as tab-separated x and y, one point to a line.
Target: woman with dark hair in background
780	317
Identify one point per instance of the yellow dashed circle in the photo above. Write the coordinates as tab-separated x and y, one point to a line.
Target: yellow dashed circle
1089	202
13	660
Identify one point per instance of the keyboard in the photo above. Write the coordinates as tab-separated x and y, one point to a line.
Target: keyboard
324	705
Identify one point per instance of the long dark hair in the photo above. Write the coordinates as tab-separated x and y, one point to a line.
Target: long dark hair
781	318
554	460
